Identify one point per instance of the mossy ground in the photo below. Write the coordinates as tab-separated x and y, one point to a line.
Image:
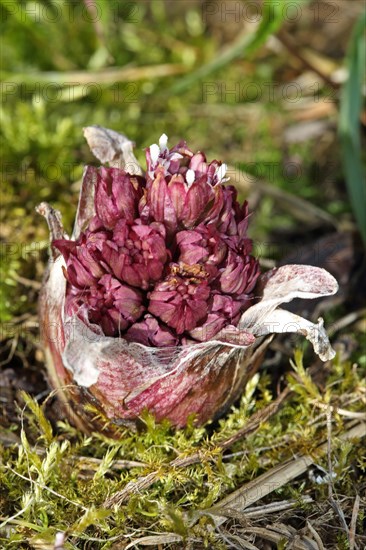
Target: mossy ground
55	479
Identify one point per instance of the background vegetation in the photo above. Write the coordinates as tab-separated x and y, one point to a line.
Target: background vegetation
274	89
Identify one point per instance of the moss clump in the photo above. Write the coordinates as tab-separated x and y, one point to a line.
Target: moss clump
56	479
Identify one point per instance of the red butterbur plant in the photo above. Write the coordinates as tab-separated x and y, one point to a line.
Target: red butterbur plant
156	302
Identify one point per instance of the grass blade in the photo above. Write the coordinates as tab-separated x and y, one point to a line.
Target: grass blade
349	125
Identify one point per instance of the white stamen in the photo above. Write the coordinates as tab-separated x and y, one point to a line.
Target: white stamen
175	156
163	142
190	176
221	171
154	153
59	541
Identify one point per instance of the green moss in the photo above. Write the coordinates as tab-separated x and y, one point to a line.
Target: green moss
49	483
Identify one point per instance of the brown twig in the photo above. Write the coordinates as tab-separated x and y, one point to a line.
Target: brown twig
352	528
332	499
316	535
273	479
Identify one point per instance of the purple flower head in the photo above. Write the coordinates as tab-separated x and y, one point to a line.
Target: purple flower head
239	275
150	332
116	196
183	190
108	303
171	243
223	311
204	245
137	253
181	299
83	257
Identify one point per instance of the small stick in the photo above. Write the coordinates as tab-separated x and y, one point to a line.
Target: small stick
352	529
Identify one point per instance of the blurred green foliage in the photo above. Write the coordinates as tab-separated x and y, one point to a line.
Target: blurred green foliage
349	127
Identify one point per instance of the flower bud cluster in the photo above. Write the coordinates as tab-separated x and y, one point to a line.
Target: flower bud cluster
166	259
